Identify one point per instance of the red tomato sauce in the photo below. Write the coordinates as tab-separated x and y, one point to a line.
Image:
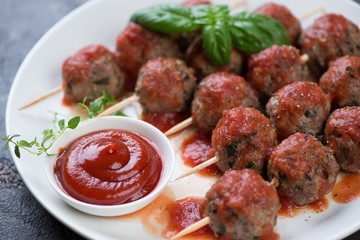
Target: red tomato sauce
196	149
289	209
185	212
347	190
164	120
109	167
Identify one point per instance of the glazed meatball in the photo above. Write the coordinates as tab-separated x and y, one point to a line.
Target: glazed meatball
165	84
243	138
303	169
275	67
330	36
219	92
136	45
89	72
298	107
198	60
344	74
285	17
242	205
342	133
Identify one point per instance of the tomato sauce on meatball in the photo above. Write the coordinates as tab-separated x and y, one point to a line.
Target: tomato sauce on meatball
303	169
243	138
165	84
275	67
331	36
342	81
285	17
219	92
89	72
342	134
242	205
298	107
136	45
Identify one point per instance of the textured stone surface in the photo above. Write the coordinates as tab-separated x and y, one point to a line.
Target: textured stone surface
22	23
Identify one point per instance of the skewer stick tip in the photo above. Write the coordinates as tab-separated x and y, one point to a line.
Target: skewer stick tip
126	102
39	99
320	8
198	167
304	58
238	4
192	228
178	127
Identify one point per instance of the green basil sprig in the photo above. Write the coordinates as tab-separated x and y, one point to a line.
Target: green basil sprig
246	31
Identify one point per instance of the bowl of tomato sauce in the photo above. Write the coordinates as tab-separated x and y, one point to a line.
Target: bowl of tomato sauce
110	166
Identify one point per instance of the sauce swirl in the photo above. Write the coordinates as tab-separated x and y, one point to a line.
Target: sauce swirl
109	167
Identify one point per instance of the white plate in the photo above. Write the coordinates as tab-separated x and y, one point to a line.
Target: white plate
100	22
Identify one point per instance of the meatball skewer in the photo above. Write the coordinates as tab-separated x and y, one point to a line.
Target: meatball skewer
164	84
240	205
291	61
135	46
243	138
302	169
87	73
215	94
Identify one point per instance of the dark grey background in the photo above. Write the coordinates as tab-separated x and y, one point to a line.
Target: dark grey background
22	23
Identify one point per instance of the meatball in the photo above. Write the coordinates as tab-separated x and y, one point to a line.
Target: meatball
330	36
198	60
136	45
303	169
344	74
285	17
219	92
342	134
165	84
275	67
89	72
242	205
243	138
298	107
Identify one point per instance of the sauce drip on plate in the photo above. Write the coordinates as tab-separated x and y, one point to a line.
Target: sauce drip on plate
196	149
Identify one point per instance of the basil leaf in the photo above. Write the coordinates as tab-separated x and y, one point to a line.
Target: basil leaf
217	42
168	18
210	14
255	32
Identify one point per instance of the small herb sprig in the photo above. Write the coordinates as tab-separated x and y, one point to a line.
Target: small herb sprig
42	146
246	31
39	147
97	106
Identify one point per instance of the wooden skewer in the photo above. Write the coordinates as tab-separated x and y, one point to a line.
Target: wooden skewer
311	12
237	4
304	58
120	105
49	94
178	127
192	228
199	167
